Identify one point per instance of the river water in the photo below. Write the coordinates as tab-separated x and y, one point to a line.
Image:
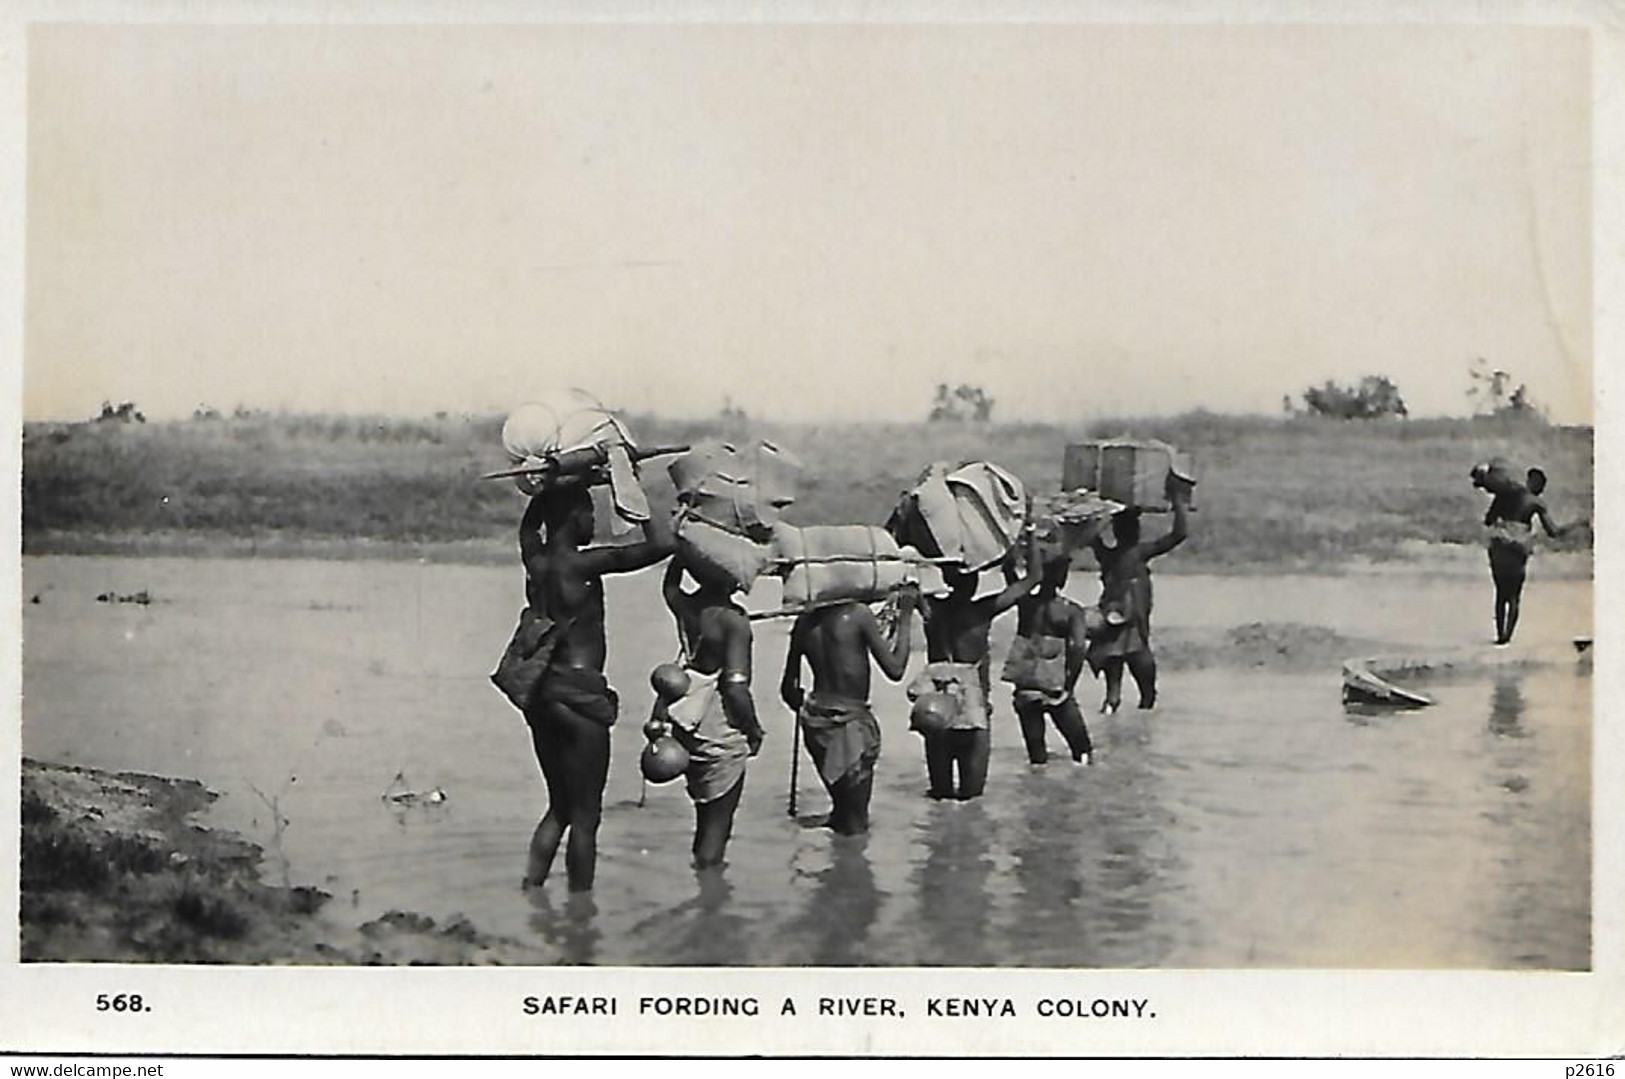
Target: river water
1250	821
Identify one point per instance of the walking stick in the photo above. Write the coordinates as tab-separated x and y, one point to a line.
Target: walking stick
795	761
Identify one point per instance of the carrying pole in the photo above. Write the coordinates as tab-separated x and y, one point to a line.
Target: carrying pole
590	456
795	761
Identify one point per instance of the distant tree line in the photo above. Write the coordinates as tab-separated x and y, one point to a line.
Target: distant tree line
1373	397
123	412
960	403
1491	391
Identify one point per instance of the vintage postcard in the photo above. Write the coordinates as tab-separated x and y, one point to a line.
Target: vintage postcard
1020	529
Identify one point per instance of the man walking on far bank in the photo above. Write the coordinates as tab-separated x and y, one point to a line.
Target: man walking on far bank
842	734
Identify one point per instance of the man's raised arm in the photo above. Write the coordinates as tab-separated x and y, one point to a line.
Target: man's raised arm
1179	494
656	544
530	529
892	657
1021	586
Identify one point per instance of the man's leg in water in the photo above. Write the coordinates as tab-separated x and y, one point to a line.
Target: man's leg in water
1143	666
1069	721
713	825
1502	600
939	764
544	841
1513	599
849	795
1031	717
1114	684
971	753
587	760
1508	590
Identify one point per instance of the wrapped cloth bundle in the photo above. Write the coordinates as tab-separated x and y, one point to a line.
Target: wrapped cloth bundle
831	563
728	501
971	514
571	434
705	547
739	489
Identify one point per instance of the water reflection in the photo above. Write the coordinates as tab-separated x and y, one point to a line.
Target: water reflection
1506	707
952	884
843	907
1049	856
701	931
573	930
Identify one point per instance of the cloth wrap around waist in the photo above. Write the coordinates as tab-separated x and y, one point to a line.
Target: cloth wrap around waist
717	750
1036	668
1125	604
1512	537
966	684
581	691
842	735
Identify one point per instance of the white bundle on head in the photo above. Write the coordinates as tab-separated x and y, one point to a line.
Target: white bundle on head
558	422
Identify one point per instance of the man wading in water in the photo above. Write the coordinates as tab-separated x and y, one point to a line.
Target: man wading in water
1510	520
573	707
716	719
1125	599
842	734
1045	660
956	642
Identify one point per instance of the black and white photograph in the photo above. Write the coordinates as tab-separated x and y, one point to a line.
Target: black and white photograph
920	530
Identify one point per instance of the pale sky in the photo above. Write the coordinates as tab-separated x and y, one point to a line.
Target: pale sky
814	221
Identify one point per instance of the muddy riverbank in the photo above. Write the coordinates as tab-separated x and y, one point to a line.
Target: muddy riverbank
116	867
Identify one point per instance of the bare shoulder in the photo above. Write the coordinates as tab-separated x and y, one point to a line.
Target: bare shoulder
855	613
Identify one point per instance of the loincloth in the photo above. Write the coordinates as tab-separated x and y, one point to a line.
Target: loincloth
580	690
717	750
842	736
1510	538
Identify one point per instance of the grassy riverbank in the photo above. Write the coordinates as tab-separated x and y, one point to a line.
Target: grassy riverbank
1277	492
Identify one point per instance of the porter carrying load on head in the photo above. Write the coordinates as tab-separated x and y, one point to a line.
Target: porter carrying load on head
1124	638
1046	656
952	707
560	652
843	737
707	703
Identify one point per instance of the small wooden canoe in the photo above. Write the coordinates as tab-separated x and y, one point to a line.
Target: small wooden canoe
1362	686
